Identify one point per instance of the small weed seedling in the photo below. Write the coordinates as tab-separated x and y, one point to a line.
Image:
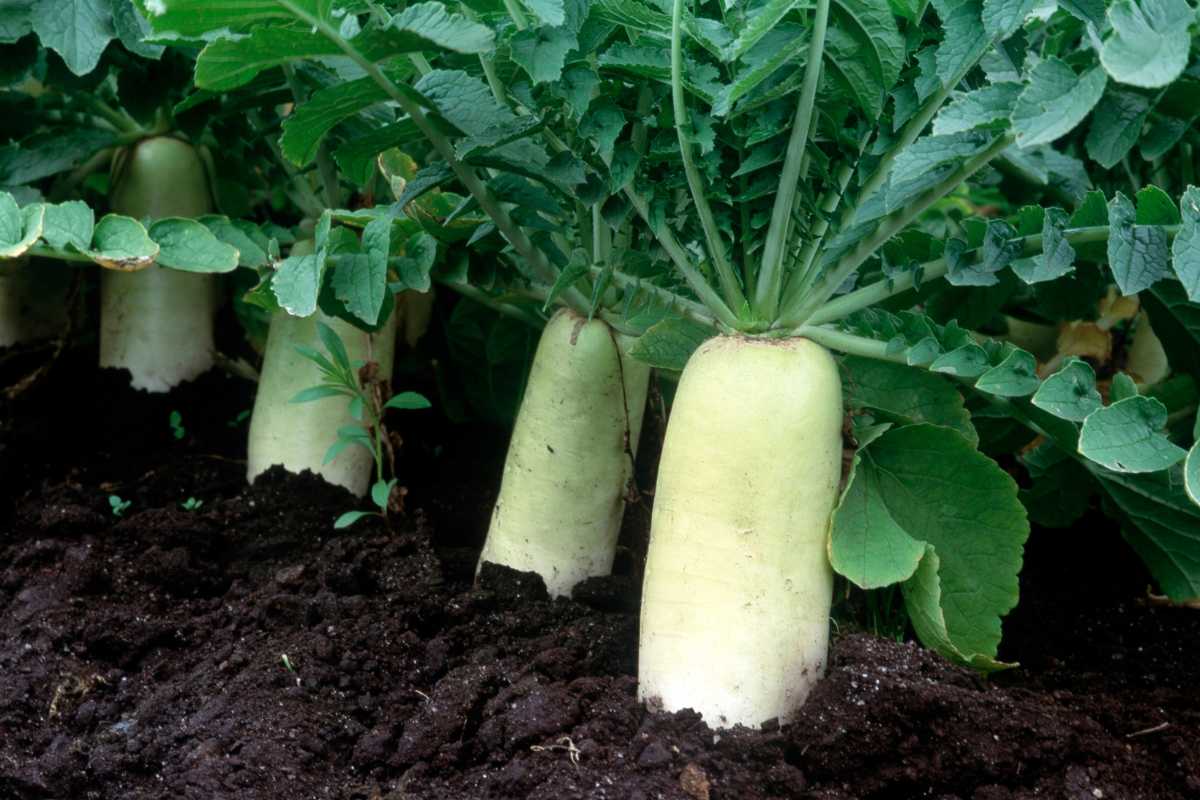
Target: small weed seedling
287	664
177	429
192	504
358	382
119	506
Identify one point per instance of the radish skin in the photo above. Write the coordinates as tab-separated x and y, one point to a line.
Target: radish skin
737	588
563	491
158	323
297	435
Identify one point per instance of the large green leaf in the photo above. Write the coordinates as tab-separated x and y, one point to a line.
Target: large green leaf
905	395
1149	43
925	507
78	30
1055	101
305	127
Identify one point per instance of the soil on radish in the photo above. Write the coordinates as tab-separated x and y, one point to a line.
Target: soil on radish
245	649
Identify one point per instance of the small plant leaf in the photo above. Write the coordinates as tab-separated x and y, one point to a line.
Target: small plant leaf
351	517
334	346
670	343
1126	437
407	401
319	393
1069	393
1015	376
381	491
69	224
121	243
339	445
187	245
1137	254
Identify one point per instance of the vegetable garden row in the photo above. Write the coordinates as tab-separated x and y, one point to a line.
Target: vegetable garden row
902	278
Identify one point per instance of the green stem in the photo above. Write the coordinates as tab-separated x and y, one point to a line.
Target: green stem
887	228
420	63
801	281
493	80
118	119
770	273
848	343
518	15
716	246
601	243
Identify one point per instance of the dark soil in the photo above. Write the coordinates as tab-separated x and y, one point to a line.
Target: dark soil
147	655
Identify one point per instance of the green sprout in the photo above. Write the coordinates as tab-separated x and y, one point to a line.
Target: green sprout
176	422
119	506
192	504
365	394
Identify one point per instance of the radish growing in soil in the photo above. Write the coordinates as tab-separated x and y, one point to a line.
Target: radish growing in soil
299	437
772	154
571	456
158	323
